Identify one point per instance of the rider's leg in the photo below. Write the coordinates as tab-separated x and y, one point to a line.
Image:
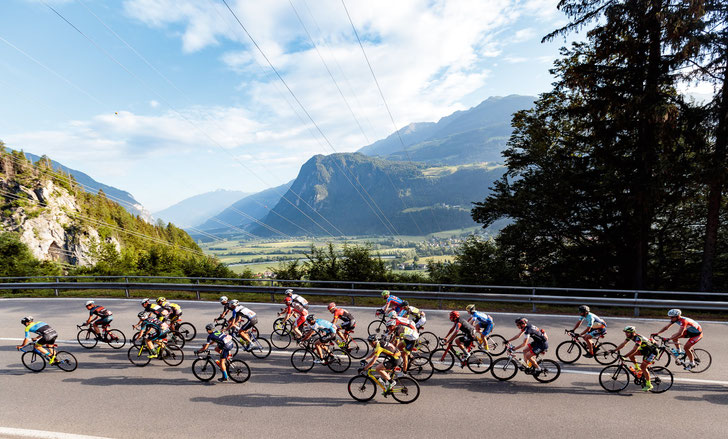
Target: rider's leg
589	344
689	347
383	371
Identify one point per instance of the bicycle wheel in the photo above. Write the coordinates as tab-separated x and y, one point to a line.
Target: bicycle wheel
282	326
406	390
614	378
442	360
175	338
703	360
33	361
260	348
496	344
302	360
358	348
338	361
376	327
280	340
504	368
136	339
480	362
87	338
550	370
138	356
568	351
254	331
663	359
238	371
187	330
236	347
203	369
362	388
604	354
116	339
661	379
427	342
420	368
172	355
65	361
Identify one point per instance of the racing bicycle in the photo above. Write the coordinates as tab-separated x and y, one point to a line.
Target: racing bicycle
35	361
702	358
170	354
507	367
204	368
571	350
363	387
617	377
88	338
304	358
443	359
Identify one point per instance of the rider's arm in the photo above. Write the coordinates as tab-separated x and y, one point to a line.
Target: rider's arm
525	340
578	323
586	330
621	345
454	331
680	332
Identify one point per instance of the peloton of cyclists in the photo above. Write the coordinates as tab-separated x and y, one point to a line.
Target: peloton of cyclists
98	317
174	311
643	346
147	322
539	343
689	329
595	327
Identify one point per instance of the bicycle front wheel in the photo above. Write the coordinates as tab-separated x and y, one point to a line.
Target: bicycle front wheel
65	361
480	362
176	338
338	361
427	342
663	359
203	369
550	370
238	371
606	354
87	338
661	379
568	351
376	327
138	356
420	368
260	348
172	355
614	378
280	340
703	360
358	348
442	360
496	344
187	330
504	369
302	360
406	390
362	388
33	361
116	339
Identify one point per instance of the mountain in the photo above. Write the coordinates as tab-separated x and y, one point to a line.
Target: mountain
475	135
424	198
125	199
239	214
199	208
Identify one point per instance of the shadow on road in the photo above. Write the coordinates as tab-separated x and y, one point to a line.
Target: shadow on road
124	380
261	400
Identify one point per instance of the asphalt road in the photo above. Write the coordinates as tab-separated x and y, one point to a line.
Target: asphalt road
107	396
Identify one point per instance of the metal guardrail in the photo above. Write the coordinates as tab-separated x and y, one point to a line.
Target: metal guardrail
612	298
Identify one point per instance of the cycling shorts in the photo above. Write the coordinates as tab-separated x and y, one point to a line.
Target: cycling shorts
596	333
225	349
409	344
693	337
391	362
348	326
538	347
466	338
420	322
159	336
649	357
301	319
249	324
49	337
105	321
327	337
486	328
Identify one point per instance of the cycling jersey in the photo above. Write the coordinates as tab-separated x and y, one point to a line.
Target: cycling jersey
172	308
224	341
482	318
645	345
593	321
296	308
395	301
40	328
343	315
690	325
464	325
156	310
407	333
537	335
403	321
378	350
299	299
240	310
323	325
99	311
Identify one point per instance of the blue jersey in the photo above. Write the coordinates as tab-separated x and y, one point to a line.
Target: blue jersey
395	301
482	318
39	328
323	325
223	340
592	320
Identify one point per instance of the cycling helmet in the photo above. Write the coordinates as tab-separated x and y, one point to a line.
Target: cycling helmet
223	299
391	323
288	301
674	312
161	299
90	302
143	315
629	329
372	338
470	308
584	308
209	327
522	321
234	302
332	306
385	293
145	301
454	315
405	304
26	319
310	318
391	315
289	292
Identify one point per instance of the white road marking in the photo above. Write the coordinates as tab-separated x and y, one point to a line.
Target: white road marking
39	434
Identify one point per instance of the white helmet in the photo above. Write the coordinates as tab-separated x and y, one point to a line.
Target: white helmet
674	313
90	302
234	302
145	301
223	299
289	292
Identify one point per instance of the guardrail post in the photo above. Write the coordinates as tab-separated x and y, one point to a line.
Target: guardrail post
533	304
197	293
636	308
272	296
56	289
439	299
126	290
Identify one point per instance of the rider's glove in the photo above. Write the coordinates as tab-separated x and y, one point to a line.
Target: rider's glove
362	363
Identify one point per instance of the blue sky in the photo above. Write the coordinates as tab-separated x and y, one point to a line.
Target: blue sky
209	113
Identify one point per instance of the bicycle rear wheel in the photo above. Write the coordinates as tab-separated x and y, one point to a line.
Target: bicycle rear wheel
376	327
480	362
282	326
203	369
420	368
236	347
606	353
33	361
614	378
238	371
703	360
550	370
406	390
172	355
362	388
358	348
87	338
116	339
427	342
496	344
65	361
442	360
302	360
280	340
504	369
661	379
175	338
138	356
338	361
663	359
187	330
568	351
260	348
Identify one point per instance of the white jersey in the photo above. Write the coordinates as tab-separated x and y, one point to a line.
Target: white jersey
299	299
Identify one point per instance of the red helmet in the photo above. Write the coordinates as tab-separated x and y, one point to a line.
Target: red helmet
288	301
454	315
332	306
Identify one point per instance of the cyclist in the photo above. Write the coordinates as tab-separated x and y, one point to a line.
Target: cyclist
644	347
689	329
226	307
482	322
539	343
406	338
464	329
153	308
241	313
595	327
174	311
414	314
293	307
149	321
46	337
395	321
392	303
347	321
297	298
392	359
326	331
99	317
224	346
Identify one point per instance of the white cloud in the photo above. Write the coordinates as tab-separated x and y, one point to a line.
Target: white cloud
153	104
